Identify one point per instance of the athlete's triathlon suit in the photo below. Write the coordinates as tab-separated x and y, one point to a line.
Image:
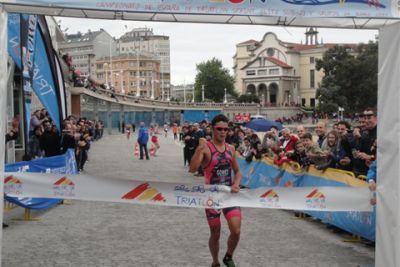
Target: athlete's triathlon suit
219	171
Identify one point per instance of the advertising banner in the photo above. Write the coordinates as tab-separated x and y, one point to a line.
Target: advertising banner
28	43
41	70
85	187
57	164
283	8
258	174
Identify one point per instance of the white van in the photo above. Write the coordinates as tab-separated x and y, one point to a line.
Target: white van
256	117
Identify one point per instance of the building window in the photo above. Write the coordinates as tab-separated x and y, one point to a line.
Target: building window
273	71
312	102
312	78
251	72
262	72
312	60
303	102
270	52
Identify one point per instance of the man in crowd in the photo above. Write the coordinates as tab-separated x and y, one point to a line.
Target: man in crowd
143	138
218	160
367	140
300	130
50	140
320	130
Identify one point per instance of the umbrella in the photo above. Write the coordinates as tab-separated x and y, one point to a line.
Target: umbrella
262	125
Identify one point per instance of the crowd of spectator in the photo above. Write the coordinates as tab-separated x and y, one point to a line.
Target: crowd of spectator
346	146
45	140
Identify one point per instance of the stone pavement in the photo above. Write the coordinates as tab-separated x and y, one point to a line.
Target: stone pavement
87	233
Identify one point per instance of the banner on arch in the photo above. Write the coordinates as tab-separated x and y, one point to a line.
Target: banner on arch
283	8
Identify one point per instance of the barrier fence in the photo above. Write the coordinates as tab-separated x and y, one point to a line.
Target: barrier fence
58	164
263	173
335	197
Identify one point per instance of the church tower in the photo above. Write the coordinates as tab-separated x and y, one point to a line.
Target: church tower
311	36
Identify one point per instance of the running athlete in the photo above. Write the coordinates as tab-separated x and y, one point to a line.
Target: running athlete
218	160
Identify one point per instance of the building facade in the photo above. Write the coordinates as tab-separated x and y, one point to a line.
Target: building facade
86	48
129	74
145	42
182	92
280	73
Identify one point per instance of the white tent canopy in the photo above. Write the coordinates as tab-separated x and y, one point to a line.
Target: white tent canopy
355	14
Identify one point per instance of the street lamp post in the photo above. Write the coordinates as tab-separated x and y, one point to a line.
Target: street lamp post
137	73
225	97
121	79
202	92
112	81
105	72
184	91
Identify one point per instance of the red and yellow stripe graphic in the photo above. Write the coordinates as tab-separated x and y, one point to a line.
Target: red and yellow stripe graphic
269	194
315	194
64	181
11	180
144	192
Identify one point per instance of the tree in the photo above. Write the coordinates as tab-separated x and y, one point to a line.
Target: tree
350	80
215	79
248	99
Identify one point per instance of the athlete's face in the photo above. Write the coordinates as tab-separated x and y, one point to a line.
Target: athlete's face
220	130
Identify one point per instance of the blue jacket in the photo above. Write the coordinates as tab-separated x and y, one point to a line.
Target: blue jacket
143	136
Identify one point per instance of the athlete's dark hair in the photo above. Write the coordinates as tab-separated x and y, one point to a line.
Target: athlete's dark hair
219	118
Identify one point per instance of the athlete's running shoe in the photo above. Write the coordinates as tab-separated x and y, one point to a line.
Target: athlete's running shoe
228	261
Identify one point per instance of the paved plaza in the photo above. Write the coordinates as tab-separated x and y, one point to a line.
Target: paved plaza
86	233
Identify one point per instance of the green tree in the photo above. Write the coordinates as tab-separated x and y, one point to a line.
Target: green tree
215	78
248	99
350	79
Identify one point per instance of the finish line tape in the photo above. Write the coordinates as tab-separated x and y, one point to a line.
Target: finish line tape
86	187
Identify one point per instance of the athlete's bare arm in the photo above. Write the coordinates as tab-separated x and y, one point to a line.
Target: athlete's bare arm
238	173
199	155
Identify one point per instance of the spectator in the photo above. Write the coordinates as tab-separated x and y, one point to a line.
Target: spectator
336	155
34	150
50	141
313	151
288	142
300	130
366	142
67	139
320	130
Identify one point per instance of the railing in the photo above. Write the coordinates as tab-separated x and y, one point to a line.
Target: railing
166	104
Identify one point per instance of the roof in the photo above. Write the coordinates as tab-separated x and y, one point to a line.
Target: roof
278	62
303	47
82	37
248	42
274	60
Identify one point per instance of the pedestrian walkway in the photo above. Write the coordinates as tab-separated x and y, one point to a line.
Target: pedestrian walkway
89	233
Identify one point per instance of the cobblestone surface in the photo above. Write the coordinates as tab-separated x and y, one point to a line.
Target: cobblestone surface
86	233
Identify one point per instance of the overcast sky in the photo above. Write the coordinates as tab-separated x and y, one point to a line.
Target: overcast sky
195	43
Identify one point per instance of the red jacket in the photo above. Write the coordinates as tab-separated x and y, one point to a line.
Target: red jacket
291	145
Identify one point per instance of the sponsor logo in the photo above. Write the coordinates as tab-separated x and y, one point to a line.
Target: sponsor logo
190	201
64	187
12	186
315	200
270	199
144	192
